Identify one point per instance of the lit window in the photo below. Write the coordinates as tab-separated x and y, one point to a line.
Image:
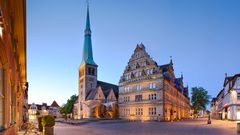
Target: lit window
1	24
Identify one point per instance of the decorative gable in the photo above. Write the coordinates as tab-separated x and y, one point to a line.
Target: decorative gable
111	96
99	94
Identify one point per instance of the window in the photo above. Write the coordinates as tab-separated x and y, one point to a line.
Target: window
238	96
127	89
139	111
1	97
128	77
126	112
126	99
152	86
238	83
149	71
152	111
139	87
155	96
138	73
152	96
138	98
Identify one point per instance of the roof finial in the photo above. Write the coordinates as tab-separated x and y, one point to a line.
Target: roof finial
225	74
182	75
171	62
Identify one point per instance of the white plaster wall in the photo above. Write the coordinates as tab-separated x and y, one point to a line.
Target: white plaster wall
237	84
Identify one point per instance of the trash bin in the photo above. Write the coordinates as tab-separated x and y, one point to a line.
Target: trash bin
238	127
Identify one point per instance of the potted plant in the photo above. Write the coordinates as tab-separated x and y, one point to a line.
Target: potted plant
48	123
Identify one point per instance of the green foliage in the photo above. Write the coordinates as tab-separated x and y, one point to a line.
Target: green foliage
40	127
68	107
48	121
200	99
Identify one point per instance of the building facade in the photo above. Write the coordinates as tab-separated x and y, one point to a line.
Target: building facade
54	109
226	105
13	74
96	98
148	91
43	110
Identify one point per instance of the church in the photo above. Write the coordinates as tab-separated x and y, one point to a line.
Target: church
96	99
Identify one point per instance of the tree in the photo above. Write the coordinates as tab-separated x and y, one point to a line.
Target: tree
68	107
200	99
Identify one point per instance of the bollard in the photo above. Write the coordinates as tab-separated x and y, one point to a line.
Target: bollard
238	127
209	122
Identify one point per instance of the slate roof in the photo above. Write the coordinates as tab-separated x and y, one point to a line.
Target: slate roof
231	78
54	104
39	107
106	88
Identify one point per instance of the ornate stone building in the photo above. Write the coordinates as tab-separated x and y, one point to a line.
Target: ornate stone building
95	98
148	91
13	73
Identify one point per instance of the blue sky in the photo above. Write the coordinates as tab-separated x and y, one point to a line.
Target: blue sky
202	36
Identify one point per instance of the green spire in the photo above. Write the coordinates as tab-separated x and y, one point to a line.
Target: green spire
87	48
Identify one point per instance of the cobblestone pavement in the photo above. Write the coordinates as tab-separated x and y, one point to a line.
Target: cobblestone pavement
185	127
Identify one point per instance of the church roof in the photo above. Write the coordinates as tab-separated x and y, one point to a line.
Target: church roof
91	94
106	88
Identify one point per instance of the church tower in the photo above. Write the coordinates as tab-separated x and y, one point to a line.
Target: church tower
87	71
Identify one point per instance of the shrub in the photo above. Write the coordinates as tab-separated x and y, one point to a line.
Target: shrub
48	121
40	127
